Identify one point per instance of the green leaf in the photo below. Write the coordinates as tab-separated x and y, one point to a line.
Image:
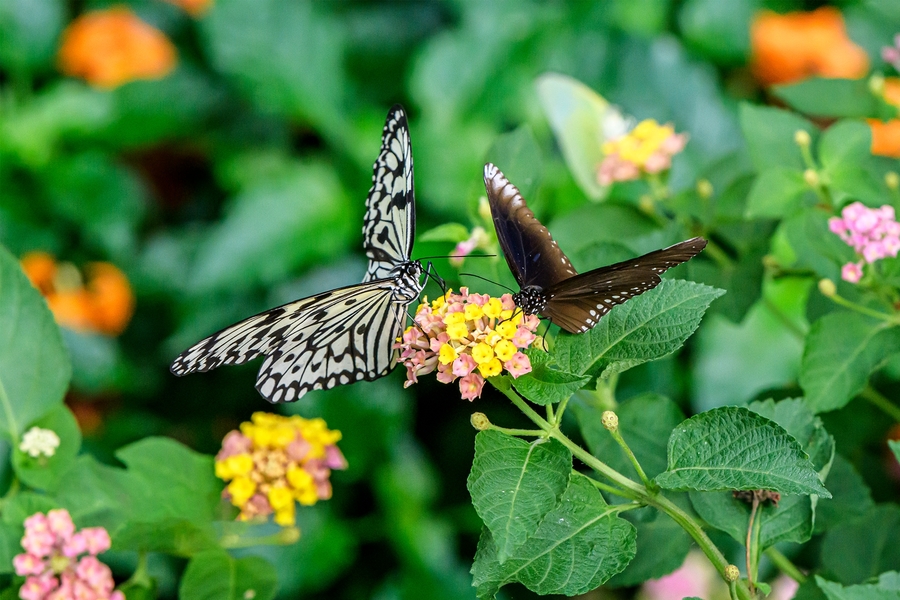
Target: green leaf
717	29
29	34
645	328
851	496
257	239
577	547
662	545
859	550
514	484
34	366
793	517
842	350
733	448
777	192
895	448
887	588
825	97
518	155
845	142
770	136
214	575
645	421
43	472
446	232
545	384
581	120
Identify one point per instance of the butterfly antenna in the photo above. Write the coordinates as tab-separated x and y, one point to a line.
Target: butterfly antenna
458	256
488	280
437	278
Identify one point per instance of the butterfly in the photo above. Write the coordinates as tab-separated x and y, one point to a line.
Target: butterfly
549	284
342	335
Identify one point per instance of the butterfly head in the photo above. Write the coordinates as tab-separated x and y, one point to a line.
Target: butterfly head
531	299
407	276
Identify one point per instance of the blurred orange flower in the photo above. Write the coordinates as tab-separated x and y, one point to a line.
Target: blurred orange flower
111	47
886	134
798	45
103	305
195	8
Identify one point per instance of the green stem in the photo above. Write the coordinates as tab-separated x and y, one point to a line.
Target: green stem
141	576
520	432
718	255
893	319
617	435
561	409
877	399
550	417
785	565
606	392
732	590
284	537
613	490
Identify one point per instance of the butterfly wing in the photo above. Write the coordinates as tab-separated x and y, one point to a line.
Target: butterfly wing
577	303
336	337
531	252
390	222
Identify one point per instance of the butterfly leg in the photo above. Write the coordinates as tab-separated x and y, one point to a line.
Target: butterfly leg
431	272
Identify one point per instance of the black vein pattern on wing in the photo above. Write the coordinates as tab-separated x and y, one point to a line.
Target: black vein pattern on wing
389	226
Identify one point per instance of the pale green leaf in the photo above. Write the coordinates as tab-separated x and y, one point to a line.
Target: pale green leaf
446	232
777	192
215	575
858	550
887	588
546	384
895	448
770	136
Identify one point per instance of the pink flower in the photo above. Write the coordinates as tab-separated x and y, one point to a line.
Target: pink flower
464	365
852	272
56	573
470	386
334	459
693	578
477	239
837	225
523	337
234	443
297	449
518	365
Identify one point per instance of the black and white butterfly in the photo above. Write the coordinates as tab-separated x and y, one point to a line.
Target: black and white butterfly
549	284
343	335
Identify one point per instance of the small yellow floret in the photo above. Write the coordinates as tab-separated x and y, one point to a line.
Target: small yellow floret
507	329
308	496
447	354
493	308
299	478
280	497
473	312
455	318
490	368
241	490
458	331
286	517
482	353
235	466
282	435
504	350
506	314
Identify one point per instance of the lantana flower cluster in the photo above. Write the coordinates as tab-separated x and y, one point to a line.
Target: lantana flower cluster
469	337
273	462
891	54
648	148
51	562
873	232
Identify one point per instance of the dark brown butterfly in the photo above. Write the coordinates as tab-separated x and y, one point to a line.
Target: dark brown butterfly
549	284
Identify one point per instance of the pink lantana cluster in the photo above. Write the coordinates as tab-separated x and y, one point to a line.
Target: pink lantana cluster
873	232
648	148
469	337
891	54
52	565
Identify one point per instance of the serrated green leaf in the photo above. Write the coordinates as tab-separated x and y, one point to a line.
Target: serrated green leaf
887	588
44	472
514	484
214	575
577	547
518	155
662	545
792	518
545	384
859	550
581	120
777	192
842	350
733	448
34	365
645	328
770	136
825	97
645	421
447	232
851	496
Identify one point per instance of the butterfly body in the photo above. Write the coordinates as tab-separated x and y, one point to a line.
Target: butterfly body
549	284
343	335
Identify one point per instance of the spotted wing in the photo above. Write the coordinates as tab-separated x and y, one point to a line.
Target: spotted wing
577	303
531	252
390	221
339	336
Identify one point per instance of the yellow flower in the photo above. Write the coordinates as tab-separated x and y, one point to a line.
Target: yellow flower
439	301
308	496
455	318
238	465
299	478
286	517
504	350
448	354
241	490
506	314
507	329
473	312
482	353
458	331
490	368
492	338
280	497
283	435
493	308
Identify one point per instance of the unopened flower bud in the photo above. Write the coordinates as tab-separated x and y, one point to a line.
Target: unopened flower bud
892	180
610	420
876	84
704	189
801	138
827	287
480	421
732	573
811	177
647	205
